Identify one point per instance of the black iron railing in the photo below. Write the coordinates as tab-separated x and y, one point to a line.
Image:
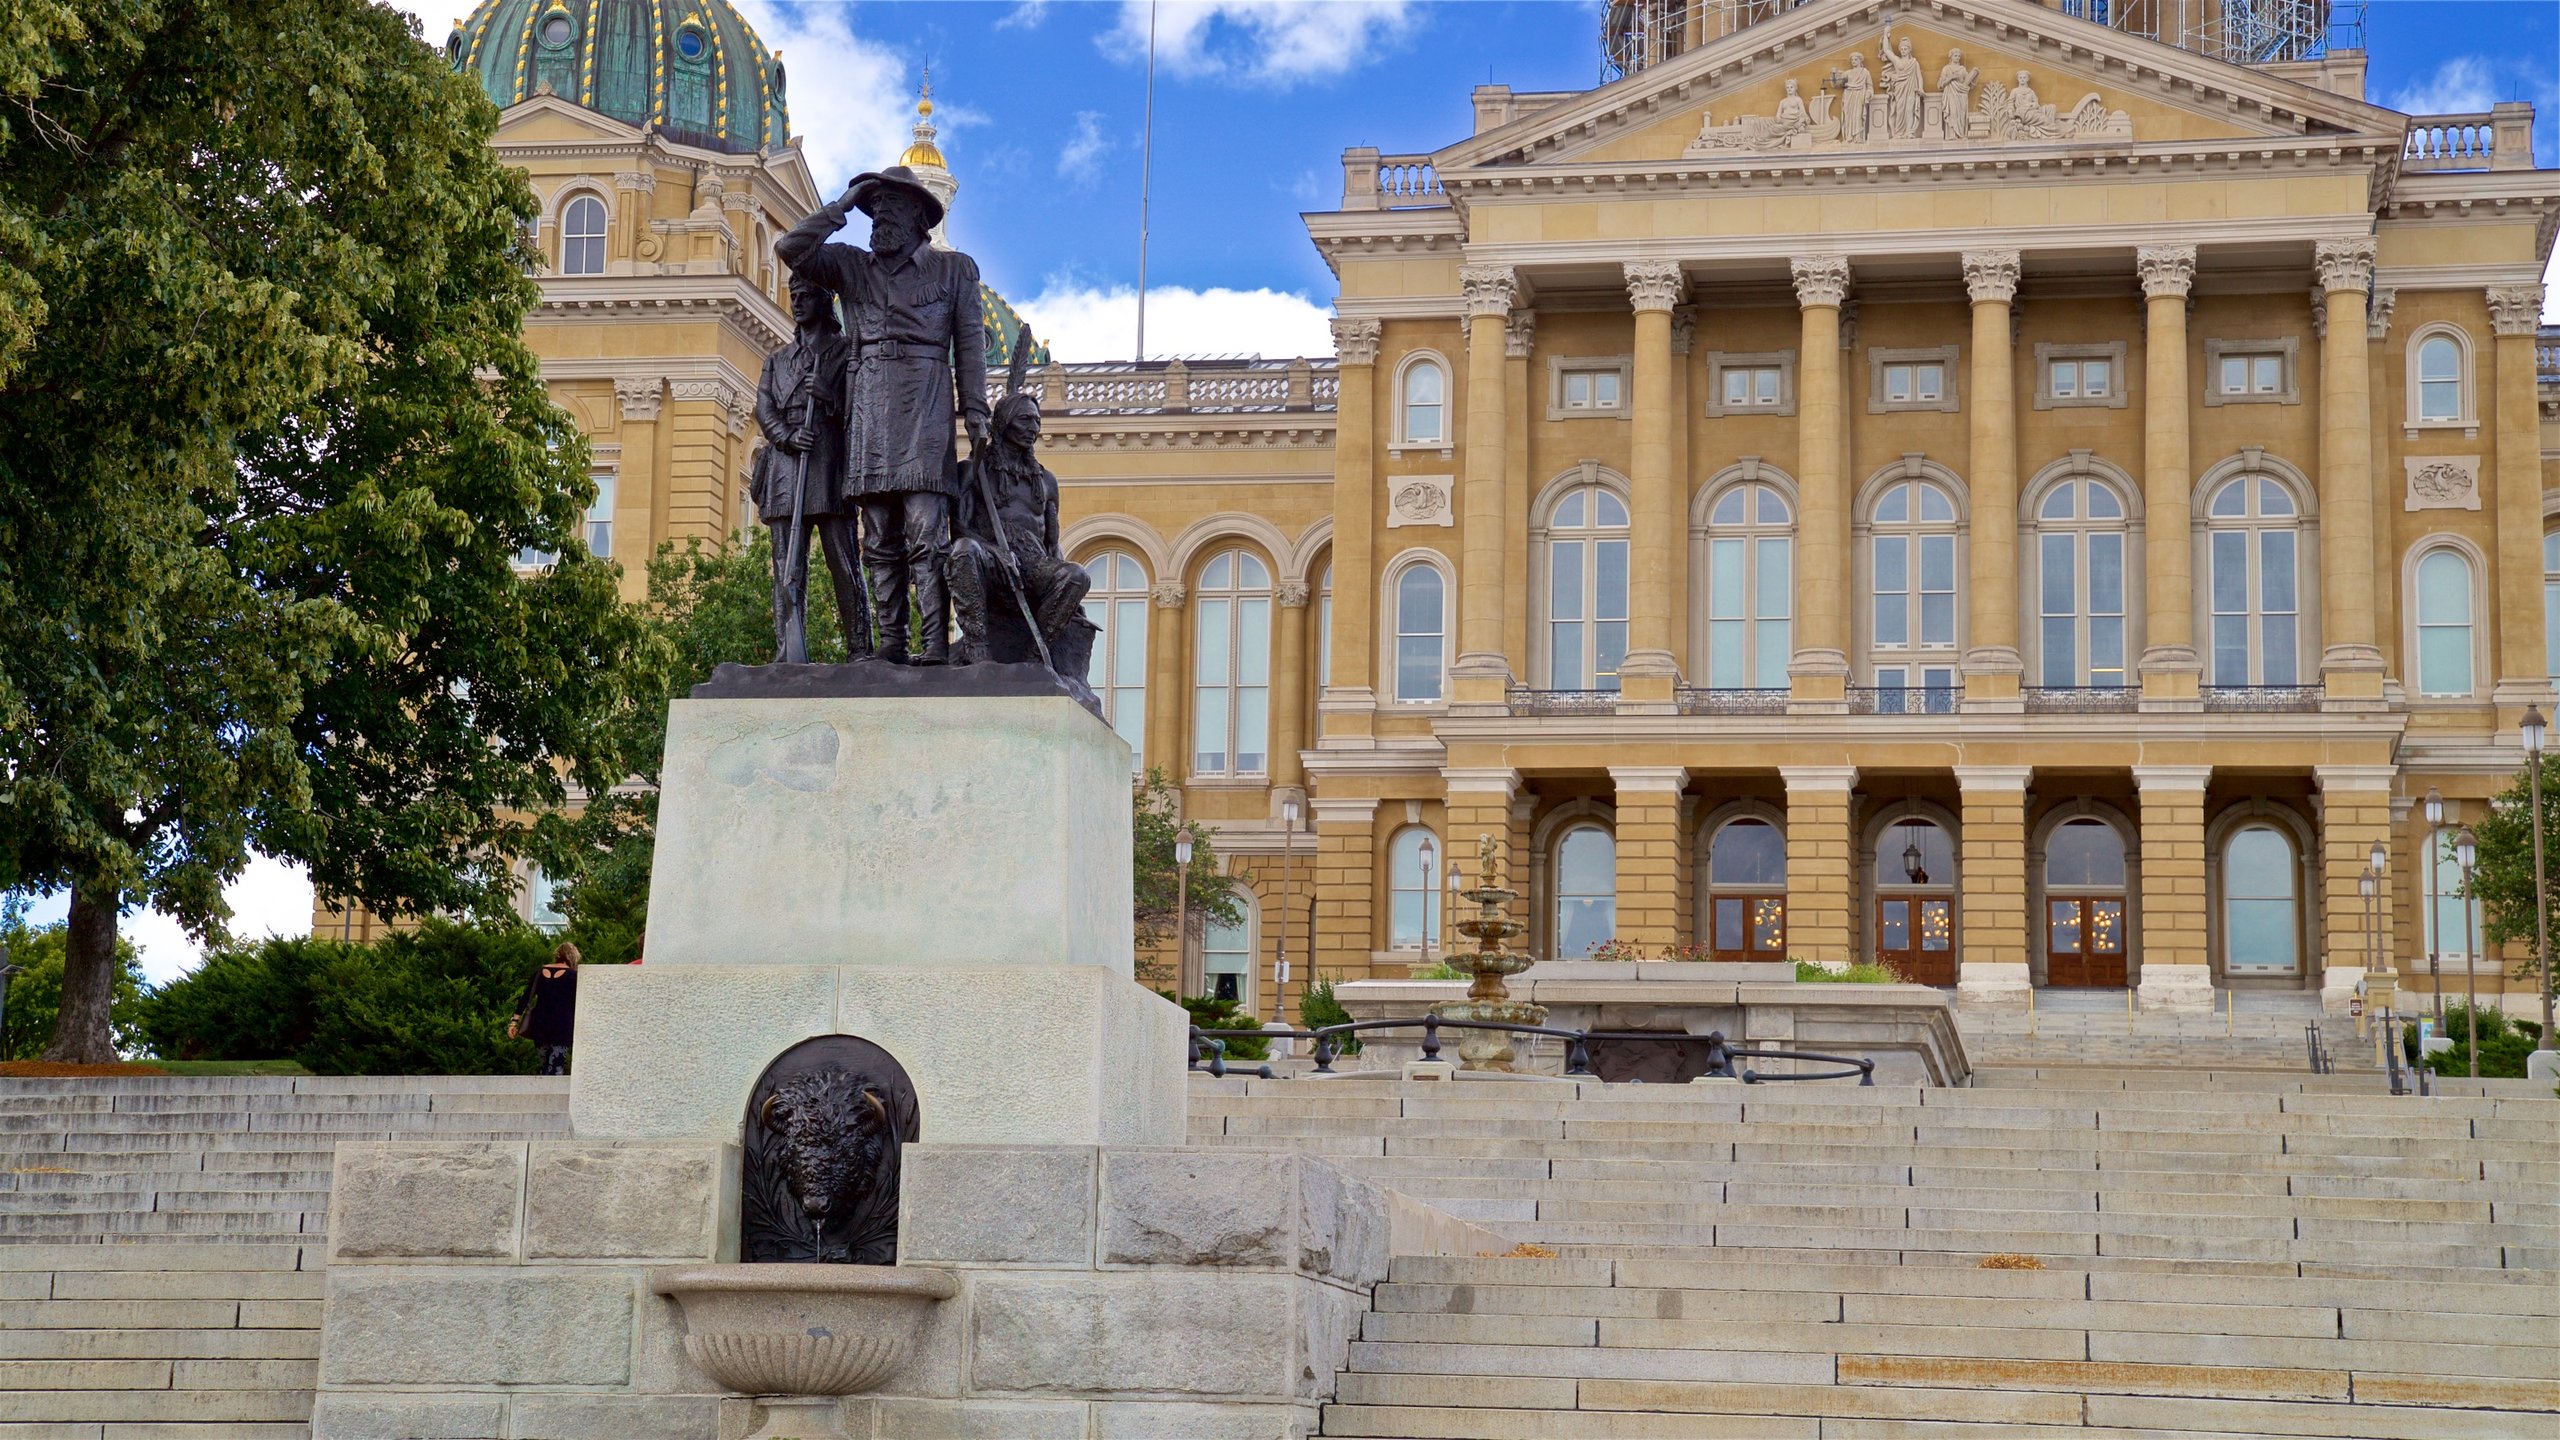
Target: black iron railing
1721	1058
1525	701
2318	1046
1722	700
2261	699
2082	699
1904	699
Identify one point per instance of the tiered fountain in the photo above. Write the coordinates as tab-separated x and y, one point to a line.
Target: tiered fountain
1489	999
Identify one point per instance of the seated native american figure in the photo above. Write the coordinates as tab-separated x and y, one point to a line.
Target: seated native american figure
1006	574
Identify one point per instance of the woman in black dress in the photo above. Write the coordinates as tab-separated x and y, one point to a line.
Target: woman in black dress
548	1014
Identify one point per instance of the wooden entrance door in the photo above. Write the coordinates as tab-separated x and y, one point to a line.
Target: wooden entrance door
1916	934
2084	941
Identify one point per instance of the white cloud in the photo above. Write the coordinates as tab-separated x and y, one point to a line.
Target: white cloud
436	18
1080	159
2460	86
270	898
1025	16
1274	42
1087	323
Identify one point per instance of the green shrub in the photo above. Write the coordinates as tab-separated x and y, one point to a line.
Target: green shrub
1211	1013
2494	1026
1318	1008
1861	973
1439	970
430	1001
35	993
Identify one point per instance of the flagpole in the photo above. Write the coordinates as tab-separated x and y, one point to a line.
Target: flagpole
1146	178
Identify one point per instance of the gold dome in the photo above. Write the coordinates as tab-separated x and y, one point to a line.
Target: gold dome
923	151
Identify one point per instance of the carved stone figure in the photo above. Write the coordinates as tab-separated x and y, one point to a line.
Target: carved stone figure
919	359
819	1167
1955	95
800	473
1017	597
1795	127
1857	87
1902	86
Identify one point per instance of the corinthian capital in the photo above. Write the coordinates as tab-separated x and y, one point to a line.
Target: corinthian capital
2344	264
1991	275
1355	342
643	181
2168	271
2377	312
1654	284
2515	309
1490	289
1821	279
640	395
1519	334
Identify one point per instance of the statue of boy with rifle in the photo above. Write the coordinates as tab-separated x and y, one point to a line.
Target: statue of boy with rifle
798	483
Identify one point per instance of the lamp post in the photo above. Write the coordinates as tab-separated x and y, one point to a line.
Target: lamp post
2435	920
2535	731
2375	864
1288	891
1184	982
1430	888
2367	886
2466	851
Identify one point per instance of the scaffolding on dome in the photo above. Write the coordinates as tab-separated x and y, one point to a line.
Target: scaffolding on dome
1636	34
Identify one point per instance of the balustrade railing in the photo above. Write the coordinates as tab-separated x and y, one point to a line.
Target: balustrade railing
2081	699
2496	139
1525	701
1371	181
1723	1062
2546	355
2261	699
1213	387
1726	700
1904	699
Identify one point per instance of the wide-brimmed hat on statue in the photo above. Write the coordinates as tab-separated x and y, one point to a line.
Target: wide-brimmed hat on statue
867	188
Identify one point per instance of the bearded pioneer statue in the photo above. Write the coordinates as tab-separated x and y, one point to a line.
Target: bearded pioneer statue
919	357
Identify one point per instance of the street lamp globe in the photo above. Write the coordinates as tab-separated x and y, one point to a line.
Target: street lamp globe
2435	807
2379	856
2364	886
1289	812
1182	846
2466	848
2533	728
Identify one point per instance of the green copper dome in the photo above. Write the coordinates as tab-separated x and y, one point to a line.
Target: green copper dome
692	68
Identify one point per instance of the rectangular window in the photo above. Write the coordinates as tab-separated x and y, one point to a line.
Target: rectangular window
2059	588
1918	379
1754	388
2106	610
1587	387
1591	390
2254	375
1760	382
2081	379
599	530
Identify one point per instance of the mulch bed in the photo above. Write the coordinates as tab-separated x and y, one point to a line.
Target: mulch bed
57	1070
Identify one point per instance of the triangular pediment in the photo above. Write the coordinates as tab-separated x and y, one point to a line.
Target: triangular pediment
1833	78
548	119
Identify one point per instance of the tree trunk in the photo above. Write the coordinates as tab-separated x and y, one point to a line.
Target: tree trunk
81	1032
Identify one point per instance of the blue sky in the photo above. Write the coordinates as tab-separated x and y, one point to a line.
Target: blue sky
1041	108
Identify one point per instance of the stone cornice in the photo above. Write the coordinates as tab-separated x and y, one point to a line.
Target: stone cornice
729	298
1303	430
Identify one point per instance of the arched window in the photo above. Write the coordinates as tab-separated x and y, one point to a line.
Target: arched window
2080	585
1586	873
2551	603
582	237
1421	615
1913	550
1750	588
1586	589
2253	540
1915	890
1231	690
2444	622
1117	604
1747	890
2438	365
1413	890
1226	956
1424	403
2084	904
2261	926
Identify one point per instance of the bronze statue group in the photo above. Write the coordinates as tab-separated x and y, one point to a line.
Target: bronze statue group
860	457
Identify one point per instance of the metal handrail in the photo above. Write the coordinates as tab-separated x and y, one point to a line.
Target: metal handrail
1577	1056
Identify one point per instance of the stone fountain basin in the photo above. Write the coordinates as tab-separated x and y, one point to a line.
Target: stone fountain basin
802	1329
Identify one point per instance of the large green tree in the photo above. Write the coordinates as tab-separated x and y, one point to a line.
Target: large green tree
2503	873
269	442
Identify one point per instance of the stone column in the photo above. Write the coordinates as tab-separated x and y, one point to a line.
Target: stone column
1648	833
1649	674
1992	667
2355	811
1481	675
1519	337
1820	670
2170	670
1290	687
1168	677
1350	699
1822	893
1479	802
1346	884
2350	664
1991	879
639	499
2514	312
2170	925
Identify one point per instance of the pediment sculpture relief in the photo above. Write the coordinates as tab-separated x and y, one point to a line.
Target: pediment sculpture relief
1894	105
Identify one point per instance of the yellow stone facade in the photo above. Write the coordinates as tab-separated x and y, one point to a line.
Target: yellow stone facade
1801	430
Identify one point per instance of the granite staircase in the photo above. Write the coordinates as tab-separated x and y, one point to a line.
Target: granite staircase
161	1240
2227	1253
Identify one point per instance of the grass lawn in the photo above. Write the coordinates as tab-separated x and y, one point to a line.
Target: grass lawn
49	1070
